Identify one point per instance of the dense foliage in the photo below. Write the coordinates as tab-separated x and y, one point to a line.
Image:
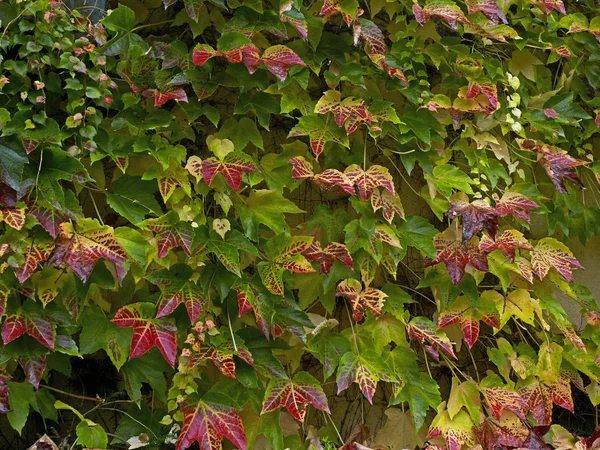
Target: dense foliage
236	209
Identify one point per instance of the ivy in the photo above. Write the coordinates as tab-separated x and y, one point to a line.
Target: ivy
251	212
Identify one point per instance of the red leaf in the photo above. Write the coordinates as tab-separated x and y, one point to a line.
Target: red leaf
508	431
34	368
487	7
446	10
561	167
290	258
221	357
249	299
558	164
148	333
331	7
327	179
423	329
365	370
37	253
4	388
561	393
476	216
508	243
487	89
515	204
208	423
36	326
13	327
41	329
299	24
456	257
278	58
361	300
189	294
170	232
538	399
295	395
331	101
550	113
379	60
49	218
327	257
366	182
202	53
176	93
367	31
468	315
548	6
550	253
81	249
500	399
232	168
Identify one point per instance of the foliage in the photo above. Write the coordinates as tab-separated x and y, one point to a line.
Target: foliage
250	209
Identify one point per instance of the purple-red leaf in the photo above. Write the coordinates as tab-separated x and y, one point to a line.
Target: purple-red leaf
295	395
552	254
446	10
370	299
34	368
208	423
508	242
4	388
189	294
559	166
82	248
148	333
487	7
232	168
366	181
423	329
170	232
456	256
515	204
477	216
36	326
327	257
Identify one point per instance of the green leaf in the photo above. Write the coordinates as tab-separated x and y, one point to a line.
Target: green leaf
134	198
566	107
98	332
12	160
271	428
91	435
21	397
418	389
148	368
121	21
135	245
446	177
241	133
330	222
419	233
261	104
266	207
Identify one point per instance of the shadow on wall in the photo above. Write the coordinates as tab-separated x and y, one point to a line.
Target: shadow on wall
589	257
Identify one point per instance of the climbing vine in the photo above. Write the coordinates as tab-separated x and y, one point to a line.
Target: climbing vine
249	210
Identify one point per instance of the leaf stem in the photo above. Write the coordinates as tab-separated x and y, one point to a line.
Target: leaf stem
80	397
231	330
148	25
